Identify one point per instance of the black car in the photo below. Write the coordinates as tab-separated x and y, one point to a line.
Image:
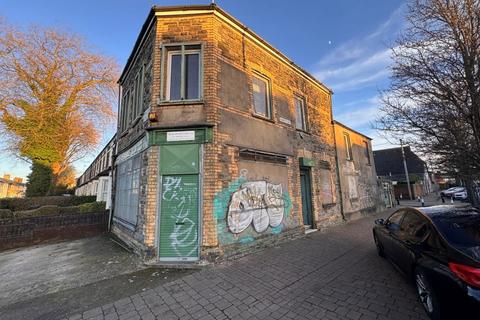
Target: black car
439	249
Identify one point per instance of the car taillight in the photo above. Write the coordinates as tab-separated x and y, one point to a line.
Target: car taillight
468	274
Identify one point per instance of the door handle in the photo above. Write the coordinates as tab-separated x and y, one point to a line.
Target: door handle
179	223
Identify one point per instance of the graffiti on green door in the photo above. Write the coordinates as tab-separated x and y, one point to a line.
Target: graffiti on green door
179	219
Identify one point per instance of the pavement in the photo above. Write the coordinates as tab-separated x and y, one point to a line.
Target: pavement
326	275
51	280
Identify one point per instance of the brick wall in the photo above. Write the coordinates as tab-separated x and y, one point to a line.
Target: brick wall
229	60
21	232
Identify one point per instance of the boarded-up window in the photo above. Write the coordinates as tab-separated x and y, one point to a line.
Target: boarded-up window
326	187
352	187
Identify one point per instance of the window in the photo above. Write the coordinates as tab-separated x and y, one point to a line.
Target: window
348	146
253	155
413	226
138	89
395	219
261	96
367	152
183	73
300	114
124	111
127	190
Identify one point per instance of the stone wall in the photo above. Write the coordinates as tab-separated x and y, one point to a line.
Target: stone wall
230	58
358	177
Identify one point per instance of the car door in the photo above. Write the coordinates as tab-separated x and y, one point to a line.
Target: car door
407	241
392	226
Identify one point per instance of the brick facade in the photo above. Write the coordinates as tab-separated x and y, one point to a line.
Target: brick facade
20	232
231	56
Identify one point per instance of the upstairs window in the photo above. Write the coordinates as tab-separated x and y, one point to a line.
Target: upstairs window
300	114
183	73
261	96
348	146
367	152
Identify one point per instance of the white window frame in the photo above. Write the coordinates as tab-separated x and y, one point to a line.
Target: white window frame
268	97
182	76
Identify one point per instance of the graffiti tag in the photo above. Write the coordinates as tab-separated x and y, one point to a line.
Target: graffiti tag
256	202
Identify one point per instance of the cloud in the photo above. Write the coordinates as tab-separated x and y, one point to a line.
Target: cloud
360	62
359	113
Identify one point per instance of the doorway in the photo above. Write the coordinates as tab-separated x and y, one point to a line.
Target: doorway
179	223
306	193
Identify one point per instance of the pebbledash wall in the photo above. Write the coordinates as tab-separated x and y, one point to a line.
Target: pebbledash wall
223	143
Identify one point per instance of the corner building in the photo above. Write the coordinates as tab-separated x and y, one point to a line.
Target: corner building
223	144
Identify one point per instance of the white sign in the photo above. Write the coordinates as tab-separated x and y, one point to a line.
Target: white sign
180	135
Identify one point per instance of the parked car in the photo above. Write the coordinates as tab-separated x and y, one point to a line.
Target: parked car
438	248
462	195
451	191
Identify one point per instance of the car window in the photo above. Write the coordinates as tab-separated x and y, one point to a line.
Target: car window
461	229
395	220
414	226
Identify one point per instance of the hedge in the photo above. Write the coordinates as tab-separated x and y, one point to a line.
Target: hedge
18	204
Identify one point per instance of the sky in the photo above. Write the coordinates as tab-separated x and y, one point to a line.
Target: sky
343	43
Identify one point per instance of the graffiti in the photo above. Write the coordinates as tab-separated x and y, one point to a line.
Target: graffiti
222	202
259	203
180	197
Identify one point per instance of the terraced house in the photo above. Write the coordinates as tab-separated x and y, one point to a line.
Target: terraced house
223	143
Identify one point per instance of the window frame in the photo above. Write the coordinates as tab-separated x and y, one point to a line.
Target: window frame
304	114
268	96
182	52
367	152
348	146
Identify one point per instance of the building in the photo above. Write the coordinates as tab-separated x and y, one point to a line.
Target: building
12	188
97	178
359	187
223	143
389	164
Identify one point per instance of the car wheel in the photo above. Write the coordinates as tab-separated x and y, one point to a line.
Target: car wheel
427	295
379	246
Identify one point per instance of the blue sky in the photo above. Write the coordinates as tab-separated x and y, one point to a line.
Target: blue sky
344	43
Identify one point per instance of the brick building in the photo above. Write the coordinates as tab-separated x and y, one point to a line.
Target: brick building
359	187
96	180
223	143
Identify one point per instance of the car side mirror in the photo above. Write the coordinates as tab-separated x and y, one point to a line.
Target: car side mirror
380	222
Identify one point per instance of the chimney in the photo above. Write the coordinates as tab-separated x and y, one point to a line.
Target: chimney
6	176
18	180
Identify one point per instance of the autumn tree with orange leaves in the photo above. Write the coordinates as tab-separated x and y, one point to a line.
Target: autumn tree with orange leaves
56	97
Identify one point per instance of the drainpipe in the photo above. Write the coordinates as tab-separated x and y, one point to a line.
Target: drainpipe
337	171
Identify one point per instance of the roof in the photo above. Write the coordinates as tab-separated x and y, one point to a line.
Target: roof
335	122
390	162
212	9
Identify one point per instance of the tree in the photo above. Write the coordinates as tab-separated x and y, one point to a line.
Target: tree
56	96
434	97
39	181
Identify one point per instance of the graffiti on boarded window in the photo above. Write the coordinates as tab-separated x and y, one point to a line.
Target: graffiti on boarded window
256	202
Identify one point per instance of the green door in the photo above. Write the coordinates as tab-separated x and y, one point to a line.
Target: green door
306	192
179	203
